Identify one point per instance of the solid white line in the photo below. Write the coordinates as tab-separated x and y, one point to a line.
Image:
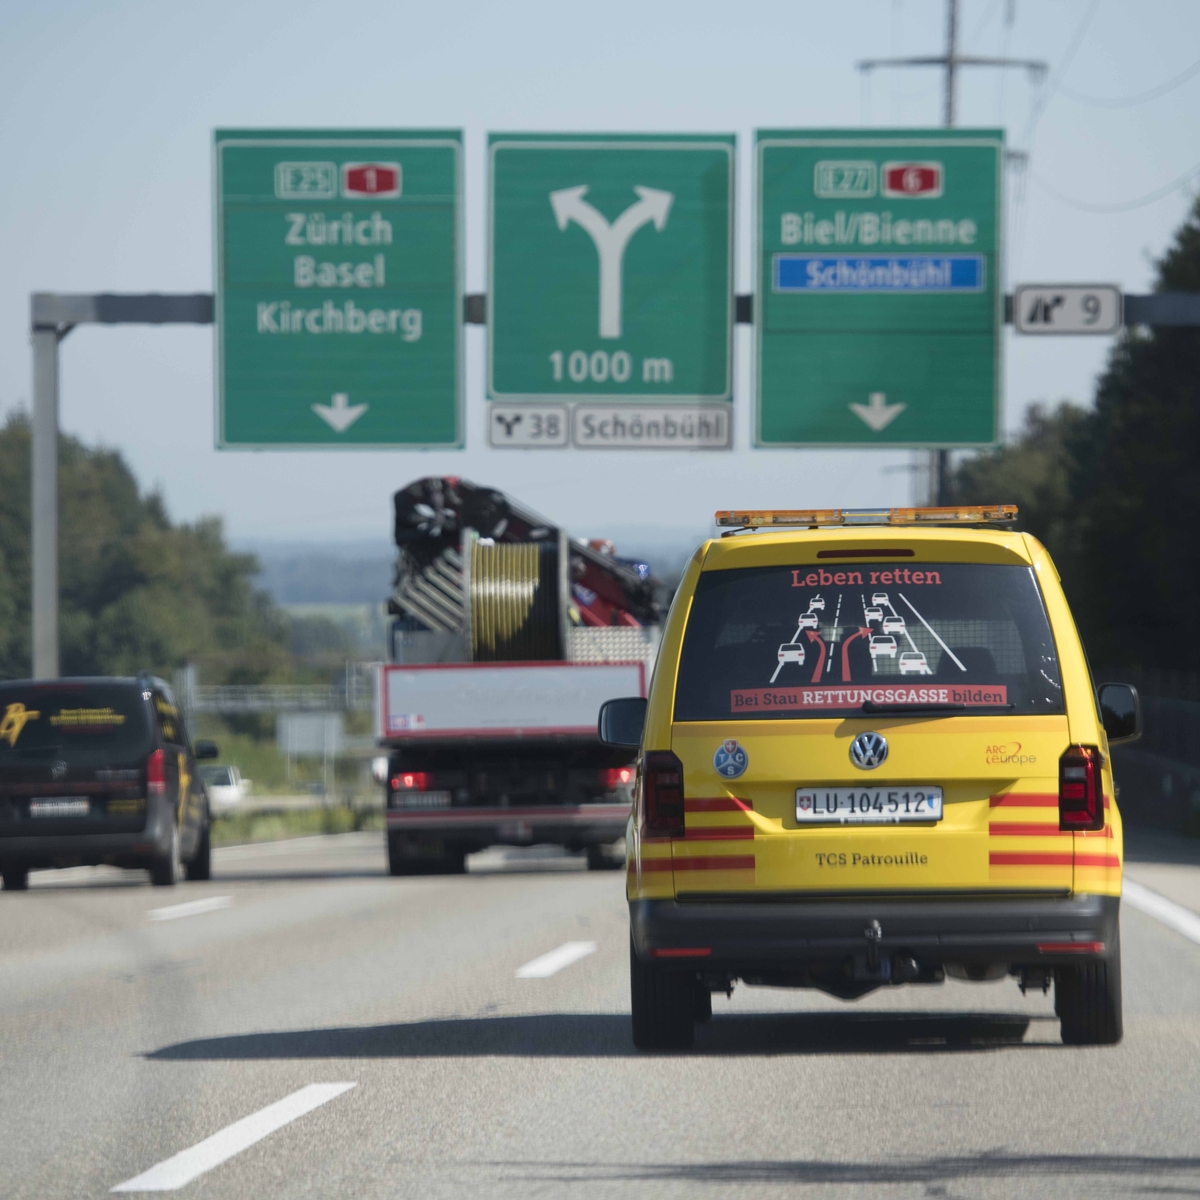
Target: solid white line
1172	915
552	963
173	1173
930	628
192	908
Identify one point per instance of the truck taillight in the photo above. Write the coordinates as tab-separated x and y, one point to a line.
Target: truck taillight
662	794
1080	802
156	774
412	781
612	778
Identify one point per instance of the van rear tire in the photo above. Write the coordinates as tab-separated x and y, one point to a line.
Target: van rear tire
200	868
166	869
663	1004
1087	999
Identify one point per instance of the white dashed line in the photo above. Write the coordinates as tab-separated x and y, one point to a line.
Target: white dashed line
552	963
173	1173
192	908
1173	915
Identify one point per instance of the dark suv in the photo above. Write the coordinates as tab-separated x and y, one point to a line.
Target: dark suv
99	770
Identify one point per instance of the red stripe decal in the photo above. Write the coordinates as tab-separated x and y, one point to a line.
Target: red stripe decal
682	952
1030	860
656	864
1003	829
717	804
725	862
1097	860
719	833
1029	800
1071	947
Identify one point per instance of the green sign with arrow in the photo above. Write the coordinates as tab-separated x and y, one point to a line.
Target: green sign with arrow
878	302
610	267
338	295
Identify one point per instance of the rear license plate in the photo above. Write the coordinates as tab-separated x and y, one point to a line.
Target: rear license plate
868	806
423	799
59	806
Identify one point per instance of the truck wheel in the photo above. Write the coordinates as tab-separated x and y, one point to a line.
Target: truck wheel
398	864
602	858
702	1013
663	1005
165	871
16	879
200	868
1087	999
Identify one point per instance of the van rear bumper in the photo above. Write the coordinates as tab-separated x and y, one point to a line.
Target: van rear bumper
130	847
751	936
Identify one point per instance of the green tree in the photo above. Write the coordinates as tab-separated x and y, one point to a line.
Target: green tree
137	593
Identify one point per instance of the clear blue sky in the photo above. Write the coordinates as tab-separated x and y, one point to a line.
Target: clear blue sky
105	143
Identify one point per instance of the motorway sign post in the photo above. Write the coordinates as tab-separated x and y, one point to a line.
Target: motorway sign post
1041	308
878	302
338	295
610	268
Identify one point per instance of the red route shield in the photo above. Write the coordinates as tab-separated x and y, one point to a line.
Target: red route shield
921	180
371	180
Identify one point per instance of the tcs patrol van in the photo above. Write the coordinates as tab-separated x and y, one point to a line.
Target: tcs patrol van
845	820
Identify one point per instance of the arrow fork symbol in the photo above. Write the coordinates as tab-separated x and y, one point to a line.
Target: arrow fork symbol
610	240
878	414
340	414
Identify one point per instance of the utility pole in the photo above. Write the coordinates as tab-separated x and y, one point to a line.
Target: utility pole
950	62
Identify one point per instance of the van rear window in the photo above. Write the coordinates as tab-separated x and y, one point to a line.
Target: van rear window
781	643
67	719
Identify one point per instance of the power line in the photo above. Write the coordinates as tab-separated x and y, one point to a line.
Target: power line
1123	206
1139	98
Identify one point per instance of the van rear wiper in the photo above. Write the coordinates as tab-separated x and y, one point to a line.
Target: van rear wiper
870	707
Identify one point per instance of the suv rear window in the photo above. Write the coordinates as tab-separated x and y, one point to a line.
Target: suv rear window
780	643
72	720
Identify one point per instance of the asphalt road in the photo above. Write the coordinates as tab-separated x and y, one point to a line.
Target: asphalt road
133	1038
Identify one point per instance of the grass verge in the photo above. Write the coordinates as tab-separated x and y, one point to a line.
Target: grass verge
275	825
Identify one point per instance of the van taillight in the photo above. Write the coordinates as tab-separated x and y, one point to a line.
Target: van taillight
662	794
156	774
1080	802
612	778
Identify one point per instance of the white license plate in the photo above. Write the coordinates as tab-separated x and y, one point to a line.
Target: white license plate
59	806
423	799
868	806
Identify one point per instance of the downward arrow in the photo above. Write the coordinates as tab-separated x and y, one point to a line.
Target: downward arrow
878	413
341	414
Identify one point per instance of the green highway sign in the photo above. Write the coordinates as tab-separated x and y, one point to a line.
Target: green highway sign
610	268
878	299
339	288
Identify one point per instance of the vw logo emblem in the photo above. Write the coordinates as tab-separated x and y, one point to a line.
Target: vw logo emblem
58	769
868	750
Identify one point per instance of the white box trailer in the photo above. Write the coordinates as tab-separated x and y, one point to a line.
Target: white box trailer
493	753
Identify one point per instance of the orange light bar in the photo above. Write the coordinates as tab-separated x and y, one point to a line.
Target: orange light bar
978	514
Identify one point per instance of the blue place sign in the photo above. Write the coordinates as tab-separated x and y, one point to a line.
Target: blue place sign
926	273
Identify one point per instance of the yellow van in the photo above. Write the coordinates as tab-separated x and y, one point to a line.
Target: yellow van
872	754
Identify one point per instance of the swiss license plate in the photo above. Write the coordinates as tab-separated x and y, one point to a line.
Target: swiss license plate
59	806
423	799
868	806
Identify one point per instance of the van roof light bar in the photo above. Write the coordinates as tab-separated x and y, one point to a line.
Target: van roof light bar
814	518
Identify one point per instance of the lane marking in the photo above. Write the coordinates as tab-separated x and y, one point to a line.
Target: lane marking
191	908
556	960
1173	915
173	1173
957	660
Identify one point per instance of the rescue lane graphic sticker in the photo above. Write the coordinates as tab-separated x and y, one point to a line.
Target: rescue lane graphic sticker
16	717
800	699
730	760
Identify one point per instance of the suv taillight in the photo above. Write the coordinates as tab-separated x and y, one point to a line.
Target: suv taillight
1080	802
662	794
156	774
